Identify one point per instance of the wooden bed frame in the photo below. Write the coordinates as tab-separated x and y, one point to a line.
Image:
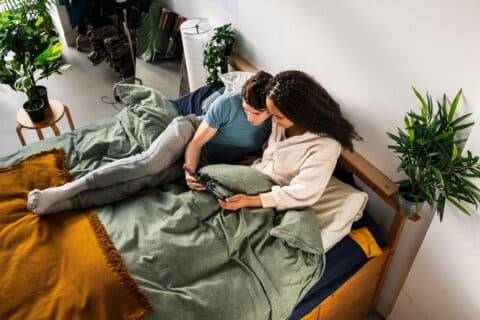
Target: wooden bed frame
358	295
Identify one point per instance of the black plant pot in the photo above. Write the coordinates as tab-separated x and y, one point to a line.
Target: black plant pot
35	109
224	67
40	92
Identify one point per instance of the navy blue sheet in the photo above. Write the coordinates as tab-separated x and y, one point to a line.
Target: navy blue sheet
192	102
343	260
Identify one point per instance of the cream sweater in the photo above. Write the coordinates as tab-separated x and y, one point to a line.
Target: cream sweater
300	165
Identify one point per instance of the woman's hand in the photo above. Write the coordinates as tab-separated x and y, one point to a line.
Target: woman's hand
239	201
192	183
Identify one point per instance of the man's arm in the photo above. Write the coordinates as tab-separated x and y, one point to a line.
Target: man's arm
192	153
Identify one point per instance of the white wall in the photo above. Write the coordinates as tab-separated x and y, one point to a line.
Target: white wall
444	281
367	54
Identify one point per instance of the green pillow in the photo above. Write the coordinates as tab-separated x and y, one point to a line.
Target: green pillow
239	178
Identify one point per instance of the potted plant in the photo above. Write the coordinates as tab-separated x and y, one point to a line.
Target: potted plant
432	158
30	12
217	51
28	53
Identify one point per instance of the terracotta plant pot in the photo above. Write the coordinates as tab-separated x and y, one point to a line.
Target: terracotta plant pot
35	109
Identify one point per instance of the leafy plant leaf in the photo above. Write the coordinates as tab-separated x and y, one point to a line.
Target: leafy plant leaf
453	106
149	33
441	206
422	101
458	205
454	152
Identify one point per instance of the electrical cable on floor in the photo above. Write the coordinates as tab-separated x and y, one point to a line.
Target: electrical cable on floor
114	104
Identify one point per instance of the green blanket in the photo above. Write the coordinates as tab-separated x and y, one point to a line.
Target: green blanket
193	260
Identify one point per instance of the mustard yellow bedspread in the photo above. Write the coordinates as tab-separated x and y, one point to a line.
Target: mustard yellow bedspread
58	267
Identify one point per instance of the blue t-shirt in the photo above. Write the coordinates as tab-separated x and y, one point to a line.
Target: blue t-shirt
235	137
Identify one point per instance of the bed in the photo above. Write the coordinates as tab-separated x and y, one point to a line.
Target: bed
241	257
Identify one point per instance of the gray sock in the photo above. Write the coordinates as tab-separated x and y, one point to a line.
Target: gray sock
41	201
58	207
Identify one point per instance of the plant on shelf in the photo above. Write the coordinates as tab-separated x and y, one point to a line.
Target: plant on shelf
217	51
28	53
432	158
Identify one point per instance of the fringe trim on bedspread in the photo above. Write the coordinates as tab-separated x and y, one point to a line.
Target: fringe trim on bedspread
113	257
115	261
60	162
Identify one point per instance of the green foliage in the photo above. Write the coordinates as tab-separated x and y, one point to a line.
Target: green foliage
28	52
430	151
149	34
217	51
31	10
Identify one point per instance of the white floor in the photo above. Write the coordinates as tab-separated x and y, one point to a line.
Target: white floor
82	88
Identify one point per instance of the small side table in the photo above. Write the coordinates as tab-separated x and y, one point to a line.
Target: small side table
52	116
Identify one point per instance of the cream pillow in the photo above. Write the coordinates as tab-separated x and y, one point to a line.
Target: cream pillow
234	80
338	208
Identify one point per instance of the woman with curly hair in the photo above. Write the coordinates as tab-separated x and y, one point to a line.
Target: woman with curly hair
307	136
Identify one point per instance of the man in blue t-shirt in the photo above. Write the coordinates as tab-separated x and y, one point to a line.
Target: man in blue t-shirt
236	126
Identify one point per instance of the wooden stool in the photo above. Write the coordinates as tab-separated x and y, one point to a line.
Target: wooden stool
52	116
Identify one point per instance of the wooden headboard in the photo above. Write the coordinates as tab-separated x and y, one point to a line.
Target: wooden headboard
376	180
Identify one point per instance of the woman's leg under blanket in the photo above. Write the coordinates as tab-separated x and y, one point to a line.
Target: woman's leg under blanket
102	196
163	152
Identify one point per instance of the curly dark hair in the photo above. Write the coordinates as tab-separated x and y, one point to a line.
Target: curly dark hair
254	91
305	102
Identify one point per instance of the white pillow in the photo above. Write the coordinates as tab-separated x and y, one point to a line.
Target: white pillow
234	80
338	208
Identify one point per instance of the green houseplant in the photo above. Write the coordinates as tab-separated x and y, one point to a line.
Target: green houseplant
31	10
28	53
432	158
217	51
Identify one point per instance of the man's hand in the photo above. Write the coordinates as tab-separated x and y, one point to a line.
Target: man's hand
239	201
192	183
